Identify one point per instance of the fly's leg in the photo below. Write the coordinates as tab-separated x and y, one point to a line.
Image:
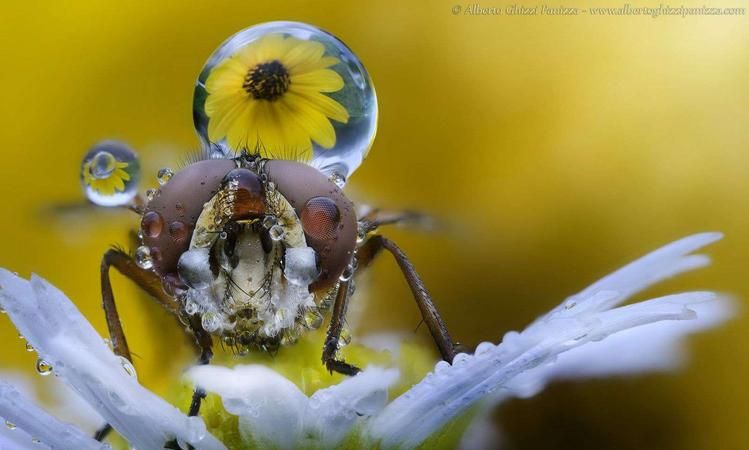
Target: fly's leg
379	217
334	333
205	343
151	283
437	328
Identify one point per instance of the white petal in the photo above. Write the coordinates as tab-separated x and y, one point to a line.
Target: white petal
275	413
270	407
34	421
523	362
55	328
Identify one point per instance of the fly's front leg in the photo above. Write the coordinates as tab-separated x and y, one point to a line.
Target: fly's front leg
146	280
330	348
437	328
205	343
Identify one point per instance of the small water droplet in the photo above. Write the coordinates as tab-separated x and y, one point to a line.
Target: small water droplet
313	319
36	441
43	368
191	307
164	175
269	221
178	231
29	347
143	258
570	304
223	235
338	179
150	194
345	337
347	273
10	425
151	224
361	235
277	232
210	321
128	367
483	348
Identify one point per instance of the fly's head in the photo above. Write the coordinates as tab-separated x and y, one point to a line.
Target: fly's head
254	246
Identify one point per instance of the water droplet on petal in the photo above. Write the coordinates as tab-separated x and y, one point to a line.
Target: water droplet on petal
10	425
43	368
164	175
109	174
143	258
29	347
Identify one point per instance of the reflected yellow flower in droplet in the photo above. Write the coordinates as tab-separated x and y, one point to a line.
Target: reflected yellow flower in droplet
271	94
111	183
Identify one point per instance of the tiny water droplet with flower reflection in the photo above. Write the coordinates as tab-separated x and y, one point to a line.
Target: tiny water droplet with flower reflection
43	368
109	174
164	175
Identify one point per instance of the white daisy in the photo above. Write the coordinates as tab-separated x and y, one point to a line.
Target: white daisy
576	339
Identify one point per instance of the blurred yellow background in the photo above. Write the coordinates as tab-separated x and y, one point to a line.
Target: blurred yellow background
555	149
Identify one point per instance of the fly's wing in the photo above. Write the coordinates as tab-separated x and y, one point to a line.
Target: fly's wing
287	90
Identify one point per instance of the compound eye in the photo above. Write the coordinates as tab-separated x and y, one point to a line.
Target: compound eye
320	218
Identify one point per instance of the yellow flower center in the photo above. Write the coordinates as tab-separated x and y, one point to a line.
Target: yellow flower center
267	81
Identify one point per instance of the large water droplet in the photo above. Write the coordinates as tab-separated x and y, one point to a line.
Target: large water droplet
43	368
109	174
143	257
265	52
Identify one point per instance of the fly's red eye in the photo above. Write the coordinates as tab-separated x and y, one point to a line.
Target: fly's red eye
320	218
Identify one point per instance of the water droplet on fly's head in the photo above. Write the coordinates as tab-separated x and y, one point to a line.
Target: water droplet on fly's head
277	232
191	307
151	224
347	273
338	179
210	321
10	425
361	235
223	235
143	257
164	175
313	319
265	53
151	194
269	221
43	368
109	174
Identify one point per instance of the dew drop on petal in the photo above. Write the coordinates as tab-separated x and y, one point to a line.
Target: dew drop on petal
109	174
128	367
43	368
164	175
29	347
151	224
10	425
143	257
